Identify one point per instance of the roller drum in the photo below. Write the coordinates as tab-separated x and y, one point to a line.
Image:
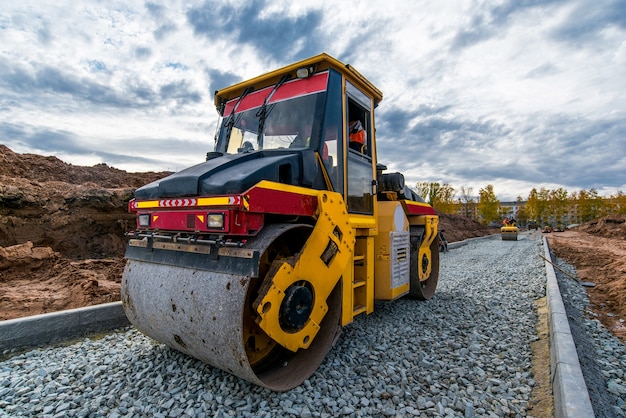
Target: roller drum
207	315
197	312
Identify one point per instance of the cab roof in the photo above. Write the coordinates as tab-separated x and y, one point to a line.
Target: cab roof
319	63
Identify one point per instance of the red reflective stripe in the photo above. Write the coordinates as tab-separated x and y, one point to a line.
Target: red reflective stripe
289	90
174	203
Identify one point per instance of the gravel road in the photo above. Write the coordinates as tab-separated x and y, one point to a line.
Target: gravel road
464	353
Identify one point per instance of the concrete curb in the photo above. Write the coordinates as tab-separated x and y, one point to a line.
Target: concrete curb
571	397
457	244
36	330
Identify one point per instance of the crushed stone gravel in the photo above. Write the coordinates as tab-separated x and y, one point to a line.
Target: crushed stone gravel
465	353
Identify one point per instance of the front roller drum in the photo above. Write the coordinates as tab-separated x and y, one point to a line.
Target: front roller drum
209	316
509	236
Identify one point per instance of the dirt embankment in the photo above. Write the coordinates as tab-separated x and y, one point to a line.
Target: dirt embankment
61	232
457	228
598	251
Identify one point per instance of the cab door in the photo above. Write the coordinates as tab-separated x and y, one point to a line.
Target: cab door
361	169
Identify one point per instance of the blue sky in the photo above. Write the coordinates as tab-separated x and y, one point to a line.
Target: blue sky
513	93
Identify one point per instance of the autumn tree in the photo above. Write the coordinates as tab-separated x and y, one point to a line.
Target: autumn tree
488	204
588	204
437	195
532	205
559	205
522	214
544	209
537	205
617	203
467	201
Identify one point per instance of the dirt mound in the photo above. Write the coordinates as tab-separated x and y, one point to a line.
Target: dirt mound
42	169
611	226
61	232
457	228
80	212
37	280
598	251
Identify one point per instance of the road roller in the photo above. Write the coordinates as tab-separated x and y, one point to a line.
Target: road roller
254	259
509	230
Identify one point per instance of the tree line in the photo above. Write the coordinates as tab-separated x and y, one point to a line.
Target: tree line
552	207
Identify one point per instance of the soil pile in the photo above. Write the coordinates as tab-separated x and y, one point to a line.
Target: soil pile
612	226
37	280
457	228
61	232
598	251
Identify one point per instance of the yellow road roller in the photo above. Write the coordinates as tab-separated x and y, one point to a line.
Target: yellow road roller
253	260
509	230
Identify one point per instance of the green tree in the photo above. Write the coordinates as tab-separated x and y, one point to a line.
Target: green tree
488	204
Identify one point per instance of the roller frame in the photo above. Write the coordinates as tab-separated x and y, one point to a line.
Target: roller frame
332	230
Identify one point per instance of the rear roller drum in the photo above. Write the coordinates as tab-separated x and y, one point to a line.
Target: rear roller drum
425	289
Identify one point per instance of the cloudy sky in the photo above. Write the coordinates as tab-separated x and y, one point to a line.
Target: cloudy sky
513	93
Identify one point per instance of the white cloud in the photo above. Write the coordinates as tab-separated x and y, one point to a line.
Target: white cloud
488	91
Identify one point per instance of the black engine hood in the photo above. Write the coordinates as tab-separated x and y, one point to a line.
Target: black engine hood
234	174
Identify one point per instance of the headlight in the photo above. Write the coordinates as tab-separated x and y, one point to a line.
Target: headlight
144	219
215	221
304	72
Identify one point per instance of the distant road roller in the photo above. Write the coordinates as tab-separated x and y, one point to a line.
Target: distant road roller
253	260
509	230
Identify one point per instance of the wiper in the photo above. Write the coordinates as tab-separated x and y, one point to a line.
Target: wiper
231	118
263	113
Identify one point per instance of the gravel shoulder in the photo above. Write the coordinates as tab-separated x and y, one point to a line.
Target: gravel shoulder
467	352
601	353
600	258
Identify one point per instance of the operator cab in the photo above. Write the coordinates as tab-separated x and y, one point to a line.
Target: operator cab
310	109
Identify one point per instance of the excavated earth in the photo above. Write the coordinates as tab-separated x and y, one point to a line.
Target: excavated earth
61	232
598	251
62	239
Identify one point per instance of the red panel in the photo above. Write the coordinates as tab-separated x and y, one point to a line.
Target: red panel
237	222
420	209
245	223
281	202
291	89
